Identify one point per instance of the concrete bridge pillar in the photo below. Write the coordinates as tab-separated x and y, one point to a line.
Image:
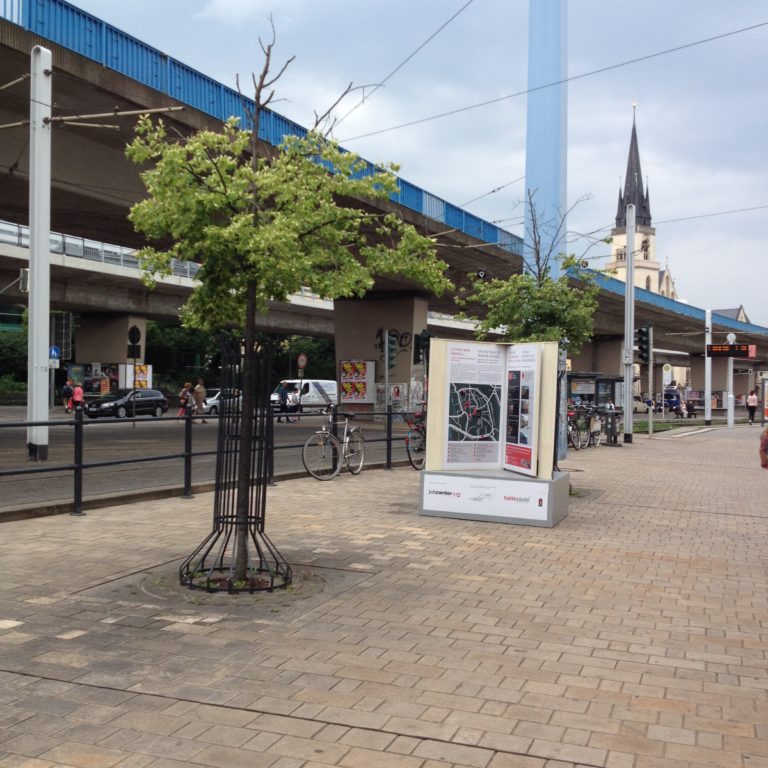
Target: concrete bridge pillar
104	339
361	327
603	356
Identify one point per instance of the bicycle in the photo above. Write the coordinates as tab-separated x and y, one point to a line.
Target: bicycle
574	431
323	452
592	426
416	439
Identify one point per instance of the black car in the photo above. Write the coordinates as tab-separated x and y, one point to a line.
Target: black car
126	403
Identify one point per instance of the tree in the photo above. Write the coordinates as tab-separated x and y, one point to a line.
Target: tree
532	306
264	226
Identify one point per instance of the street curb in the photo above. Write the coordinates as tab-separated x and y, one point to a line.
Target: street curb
131	497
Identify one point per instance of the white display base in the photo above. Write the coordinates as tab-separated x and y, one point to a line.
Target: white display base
496	496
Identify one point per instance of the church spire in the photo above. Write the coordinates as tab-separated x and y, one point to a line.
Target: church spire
633	186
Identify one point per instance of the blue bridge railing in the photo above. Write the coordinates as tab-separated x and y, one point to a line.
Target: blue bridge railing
70	27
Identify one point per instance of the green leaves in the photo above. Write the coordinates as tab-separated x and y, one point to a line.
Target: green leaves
297	219
527	309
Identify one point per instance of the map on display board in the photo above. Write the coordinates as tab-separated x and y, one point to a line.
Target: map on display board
492	406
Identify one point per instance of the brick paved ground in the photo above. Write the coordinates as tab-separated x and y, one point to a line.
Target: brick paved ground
633	634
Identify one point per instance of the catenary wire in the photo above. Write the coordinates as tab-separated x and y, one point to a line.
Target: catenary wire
557	82
405	61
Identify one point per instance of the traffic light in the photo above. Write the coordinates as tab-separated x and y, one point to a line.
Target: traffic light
393	345
421	347
643	341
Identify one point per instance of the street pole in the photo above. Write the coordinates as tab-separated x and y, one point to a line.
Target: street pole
386	370
650	380
707	368
731	338
38	367
629	325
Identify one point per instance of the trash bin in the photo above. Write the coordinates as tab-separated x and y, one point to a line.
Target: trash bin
611	420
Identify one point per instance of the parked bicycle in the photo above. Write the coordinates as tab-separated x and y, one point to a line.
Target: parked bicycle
578	435
324	453
416	439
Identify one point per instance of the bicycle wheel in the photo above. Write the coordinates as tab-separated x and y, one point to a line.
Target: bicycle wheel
321	456
416	447
574	437
583	436
355	450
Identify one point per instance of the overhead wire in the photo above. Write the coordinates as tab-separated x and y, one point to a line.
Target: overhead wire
556	82
405	61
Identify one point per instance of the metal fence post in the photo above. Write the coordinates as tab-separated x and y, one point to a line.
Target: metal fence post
77	504
187	453
389	437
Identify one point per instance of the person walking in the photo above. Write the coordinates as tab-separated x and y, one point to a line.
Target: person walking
77	397
282	401
66	394
199	396
752	405
293	405
185	399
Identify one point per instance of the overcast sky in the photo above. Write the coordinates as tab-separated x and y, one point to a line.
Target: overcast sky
702	111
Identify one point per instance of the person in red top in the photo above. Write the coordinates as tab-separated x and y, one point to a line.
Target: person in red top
77	397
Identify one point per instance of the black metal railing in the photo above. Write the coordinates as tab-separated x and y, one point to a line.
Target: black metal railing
80	469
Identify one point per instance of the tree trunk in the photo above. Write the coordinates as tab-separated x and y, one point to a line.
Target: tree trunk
245	452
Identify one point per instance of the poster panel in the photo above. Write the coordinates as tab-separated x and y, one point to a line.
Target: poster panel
485	497
357	380
475	374
522	409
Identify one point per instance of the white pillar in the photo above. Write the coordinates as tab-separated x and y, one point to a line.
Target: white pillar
547	125
629	325
707	368
39	250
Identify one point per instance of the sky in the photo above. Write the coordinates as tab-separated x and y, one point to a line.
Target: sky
701	114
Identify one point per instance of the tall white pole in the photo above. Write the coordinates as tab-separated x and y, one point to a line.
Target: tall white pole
731	338
629	325
707	368
39	250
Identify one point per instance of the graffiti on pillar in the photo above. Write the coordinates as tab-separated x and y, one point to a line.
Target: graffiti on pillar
404	339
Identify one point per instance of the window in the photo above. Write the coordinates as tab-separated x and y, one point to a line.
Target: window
648	283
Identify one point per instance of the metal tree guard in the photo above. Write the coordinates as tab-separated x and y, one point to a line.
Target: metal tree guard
214	565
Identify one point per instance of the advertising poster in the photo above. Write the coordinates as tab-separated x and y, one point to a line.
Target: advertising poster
475	374
488	498
520	449
357	380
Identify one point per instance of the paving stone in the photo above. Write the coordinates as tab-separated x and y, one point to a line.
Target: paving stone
632	635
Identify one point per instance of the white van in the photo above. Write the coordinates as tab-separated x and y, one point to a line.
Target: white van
315	394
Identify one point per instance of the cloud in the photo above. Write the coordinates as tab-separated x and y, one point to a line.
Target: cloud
237	12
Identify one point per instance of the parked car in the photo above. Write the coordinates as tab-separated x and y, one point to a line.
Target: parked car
128	402
215	401
640	406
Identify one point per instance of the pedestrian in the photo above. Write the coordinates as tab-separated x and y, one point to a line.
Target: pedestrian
293	405
185	399
752	405
199	396
77	397
282	401
764	448
66	394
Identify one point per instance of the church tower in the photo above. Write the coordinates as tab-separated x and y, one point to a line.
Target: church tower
648	272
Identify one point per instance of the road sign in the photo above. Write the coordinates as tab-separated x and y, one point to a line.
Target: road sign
54	353
301	361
